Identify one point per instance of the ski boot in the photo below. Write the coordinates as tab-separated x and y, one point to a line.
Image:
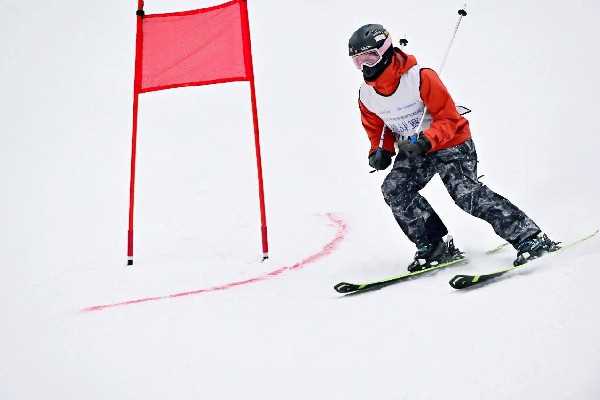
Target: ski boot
534	247
433	254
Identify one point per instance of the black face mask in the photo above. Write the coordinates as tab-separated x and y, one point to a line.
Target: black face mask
372	73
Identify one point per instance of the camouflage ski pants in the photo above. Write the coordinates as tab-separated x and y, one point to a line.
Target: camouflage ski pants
457	167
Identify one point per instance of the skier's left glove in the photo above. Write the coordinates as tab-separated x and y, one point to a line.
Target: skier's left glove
413	150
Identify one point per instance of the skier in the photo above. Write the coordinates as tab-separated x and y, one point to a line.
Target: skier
392	101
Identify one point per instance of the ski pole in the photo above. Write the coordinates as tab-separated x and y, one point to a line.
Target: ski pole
461	13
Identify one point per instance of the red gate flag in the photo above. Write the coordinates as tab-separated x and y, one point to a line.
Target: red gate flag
193	48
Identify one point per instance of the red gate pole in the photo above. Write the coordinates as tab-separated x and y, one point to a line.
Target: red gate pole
137	84
250	73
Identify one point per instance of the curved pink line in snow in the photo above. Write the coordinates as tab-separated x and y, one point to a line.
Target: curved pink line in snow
329	248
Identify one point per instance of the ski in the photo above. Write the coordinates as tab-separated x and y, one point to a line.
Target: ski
497	249
467	281
354	288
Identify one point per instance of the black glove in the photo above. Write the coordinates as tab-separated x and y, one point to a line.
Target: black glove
380	159
412	150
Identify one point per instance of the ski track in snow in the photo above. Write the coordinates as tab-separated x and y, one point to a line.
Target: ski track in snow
327	250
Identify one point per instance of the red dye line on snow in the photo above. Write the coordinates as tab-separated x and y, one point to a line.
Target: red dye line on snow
325	251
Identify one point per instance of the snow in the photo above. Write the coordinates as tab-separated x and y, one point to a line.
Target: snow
529	72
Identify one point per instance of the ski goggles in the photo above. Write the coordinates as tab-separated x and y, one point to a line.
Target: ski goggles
371	57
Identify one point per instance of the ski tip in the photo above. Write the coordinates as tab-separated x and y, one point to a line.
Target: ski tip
497	249
345	287
463	281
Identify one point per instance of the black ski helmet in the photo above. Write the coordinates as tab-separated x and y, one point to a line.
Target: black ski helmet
367	37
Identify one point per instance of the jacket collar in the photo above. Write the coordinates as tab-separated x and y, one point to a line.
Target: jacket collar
387	83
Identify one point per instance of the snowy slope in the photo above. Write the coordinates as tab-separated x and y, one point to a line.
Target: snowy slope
528	70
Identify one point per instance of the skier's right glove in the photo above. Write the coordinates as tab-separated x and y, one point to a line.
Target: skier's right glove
380	159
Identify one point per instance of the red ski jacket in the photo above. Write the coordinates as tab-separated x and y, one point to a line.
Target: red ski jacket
447	129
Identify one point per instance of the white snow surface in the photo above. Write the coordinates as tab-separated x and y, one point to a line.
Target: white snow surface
528	69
